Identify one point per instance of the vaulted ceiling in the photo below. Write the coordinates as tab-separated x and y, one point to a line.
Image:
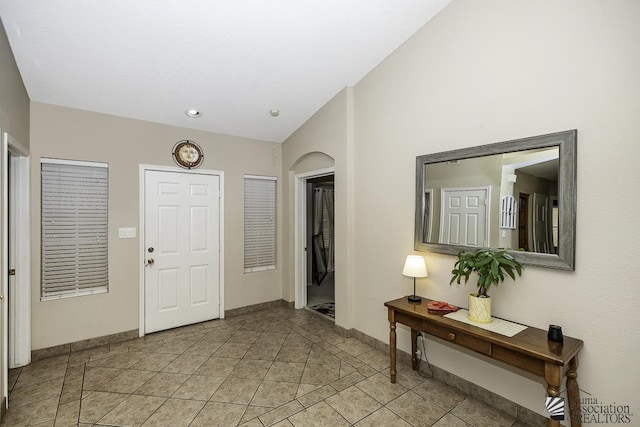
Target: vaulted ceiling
234	61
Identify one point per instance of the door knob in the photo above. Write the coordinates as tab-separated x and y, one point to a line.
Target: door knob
150	250
150	261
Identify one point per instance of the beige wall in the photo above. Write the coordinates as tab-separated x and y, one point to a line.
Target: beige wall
484	72
125	144
490	71
14	100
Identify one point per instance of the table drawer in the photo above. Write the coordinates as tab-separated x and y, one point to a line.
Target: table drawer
457	337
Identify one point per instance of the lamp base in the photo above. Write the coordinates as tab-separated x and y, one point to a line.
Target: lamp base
414	298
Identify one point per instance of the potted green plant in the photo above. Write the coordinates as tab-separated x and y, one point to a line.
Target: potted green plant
492	266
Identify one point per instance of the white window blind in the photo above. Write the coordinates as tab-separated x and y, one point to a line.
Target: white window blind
259	223
74	225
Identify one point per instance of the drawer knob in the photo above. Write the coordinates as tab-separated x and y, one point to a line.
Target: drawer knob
452	336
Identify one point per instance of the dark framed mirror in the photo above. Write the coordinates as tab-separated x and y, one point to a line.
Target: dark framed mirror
519	195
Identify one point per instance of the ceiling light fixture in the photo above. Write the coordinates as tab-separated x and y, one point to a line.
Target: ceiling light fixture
274	112
193	113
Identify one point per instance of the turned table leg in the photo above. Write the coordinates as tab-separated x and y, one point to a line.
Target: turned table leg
573	392
552	375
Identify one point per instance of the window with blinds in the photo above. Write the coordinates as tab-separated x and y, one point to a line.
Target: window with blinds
75	198
259	223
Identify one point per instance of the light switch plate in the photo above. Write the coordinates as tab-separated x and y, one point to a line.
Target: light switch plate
127	233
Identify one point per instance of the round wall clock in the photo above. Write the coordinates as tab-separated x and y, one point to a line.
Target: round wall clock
187	154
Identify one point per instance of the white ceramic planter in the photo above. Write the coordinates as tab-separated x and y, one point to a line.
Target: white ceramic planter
479	309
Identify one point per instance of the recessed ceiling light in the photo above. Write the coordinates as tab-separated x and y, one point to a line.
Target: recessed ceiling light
274	112
193	113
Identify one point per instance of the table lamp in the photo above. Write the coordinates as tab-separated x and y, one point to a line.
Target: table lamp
414	267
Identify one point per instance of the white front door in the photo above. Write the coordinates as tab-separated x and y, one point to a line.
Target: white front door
182	249
464	216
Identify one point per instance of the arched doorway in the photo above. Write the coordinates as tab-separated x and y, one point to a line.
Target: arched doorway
314	234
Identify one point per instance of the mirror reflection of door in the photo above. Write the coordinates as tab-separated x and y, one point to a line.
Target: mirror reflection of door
523	222
541	223
428	216
555	223
465	216
507	174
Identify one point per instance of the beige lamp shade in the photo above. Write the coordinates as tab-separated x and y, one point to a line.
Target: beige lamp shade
415	266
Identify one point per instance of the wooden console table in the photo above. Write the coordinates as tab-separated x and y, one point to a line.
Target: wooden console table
529	350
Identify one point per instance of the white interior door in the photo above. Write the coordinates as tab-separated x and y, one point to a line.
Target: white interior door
182	249
4	271
19	260
464	216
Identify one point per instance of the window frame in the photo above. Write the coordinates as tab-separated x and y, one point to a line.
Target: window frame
270	260
48	290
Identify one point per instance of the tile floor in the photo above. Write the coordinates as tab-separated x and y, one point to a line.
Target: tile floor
280	367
